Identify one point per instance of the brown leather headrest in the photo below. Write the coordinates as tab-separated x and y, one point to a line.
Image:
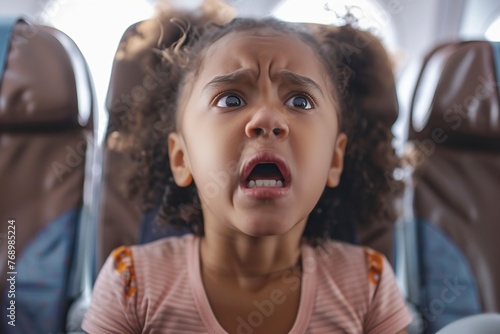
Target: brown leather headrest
136	73
456	101
38	89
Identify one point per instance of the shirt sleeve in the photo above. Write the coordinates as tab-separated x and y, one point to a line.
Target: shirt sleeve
114	300
387	312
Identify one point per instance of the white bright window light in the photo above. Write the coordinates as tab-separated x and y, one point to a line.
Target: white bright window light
96	26
369	13
493	32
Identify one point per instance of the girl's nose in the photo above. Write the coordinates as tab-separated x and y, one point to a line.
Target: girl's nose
267	122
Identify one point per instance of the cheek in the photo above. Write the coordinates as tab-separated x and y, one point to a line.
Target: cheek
213	154
316	145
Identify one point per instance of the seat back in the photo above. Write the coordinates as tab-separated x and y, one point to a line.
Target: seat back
455	135
134	82
46	132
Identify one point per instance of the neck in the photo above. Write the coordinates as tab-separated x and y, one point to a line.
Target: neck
233	253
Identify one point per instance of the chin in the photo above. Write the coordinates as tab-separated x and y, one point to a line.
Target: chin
265	228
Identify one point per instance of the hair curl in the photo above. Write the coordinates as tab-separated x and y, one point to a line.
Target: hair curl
366	190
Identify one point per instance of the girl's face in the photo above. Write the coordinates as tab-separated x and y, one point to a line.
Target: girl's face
258	133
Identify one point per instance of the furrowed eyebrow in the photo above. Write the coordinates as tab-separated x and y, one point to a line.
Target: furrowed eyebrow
230	79
297	80
246	74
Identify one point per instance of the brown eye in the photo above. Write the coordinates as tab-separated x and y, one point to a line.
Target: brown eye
230	101
299	101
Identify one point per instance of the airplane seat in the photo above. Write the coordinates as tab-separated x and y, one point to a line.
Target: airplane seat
46	134
134	84
454	137
134	81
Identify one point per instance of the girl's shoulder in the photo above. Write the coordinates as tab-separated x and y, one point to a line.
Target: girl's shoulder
162	249
358	264
359	284
345	253
151	261
134	282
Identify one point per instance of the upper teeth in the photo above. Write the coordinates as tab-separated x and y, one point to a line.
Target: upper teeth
265	183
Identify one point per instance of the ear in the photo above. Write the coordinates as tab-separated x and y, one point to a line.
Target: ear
337	165
179	163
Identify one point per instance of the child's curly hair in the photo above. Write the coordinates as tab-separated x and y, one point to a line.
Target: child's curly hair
367	188
365	192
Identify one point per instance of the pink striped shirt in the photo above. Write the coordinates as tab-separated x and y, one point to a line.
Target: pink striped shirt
157	288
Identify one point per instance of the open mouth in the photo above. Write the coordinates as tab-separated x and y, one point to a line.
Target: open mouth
265	175
265	170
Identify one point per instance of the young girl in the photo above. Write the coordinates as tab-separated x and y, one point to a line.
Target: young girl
248	149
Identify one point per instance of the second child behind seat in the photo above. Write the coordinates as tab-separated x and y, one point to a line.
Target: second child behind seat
253	126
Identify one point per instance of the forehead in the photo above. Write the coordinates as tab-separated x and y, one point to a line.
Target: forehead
263	50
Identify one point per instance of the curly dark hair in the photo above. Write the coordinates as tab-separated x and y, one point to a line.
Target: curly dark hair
366	188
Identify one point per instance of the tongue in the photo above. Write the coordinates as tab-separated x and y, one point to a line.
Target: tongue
265	172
